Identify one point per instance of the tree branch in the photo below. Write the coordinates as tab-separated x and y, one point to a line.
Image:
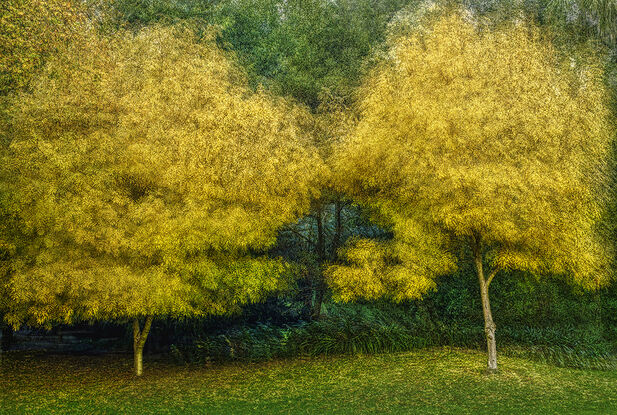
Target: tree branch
306	238
136	332
492	275
144	333
140	336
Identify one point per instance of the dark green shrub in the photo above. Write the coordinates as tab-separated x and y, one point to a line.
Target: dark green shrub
545	320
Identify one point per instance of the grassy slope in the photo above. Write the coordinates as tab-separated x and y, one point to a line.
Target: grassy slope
437	381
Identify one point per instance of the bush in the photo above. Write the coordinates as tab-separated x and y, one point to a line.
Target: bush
534	318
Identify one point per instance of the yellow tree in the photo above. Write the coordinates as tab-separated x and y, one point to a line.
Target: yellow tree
30	30
479	142
149	178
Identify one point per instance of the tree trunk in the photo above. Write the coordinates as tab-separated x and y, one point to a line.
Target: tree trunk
321	257
307	294
139	340
138	361
338	231
319	295
320	289
489	324
489	328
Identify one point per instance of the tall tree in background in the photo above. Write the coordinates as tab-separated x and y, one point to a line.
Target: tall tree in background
326	46
297	48
149	178
479	143
597	17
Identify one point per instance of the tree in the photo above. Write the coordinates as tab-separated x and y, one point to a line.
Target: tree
150	180
477	142
31	30
320	51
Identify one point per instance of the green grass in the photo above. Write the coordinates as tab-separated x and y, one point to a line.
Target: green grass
435	381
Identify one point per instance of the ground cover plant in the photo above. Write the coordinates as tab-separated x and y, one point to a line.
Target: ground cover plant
385	327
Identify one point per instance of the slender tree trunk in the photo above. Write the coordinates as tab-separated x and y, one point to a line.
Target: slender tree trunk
338	230
321	257
307	294
489	324
139	340
319	295
489	328
320	290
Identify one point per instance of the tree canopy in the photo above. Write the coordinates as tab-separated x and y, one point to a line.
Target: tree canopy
148	177
31	30
465	132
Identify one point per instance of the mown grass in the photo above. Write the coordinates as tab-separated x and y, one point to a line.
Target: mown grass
433	381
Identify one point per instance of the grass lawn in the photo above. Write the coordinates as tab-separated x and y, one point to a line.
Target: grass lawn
434	381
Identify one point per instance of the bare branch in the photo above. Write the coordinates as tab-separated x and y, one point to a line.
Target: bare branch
301	235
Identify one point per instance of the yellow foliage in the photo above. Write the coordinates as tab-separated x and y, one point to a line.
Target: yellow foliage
29	31
137	161
470	131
